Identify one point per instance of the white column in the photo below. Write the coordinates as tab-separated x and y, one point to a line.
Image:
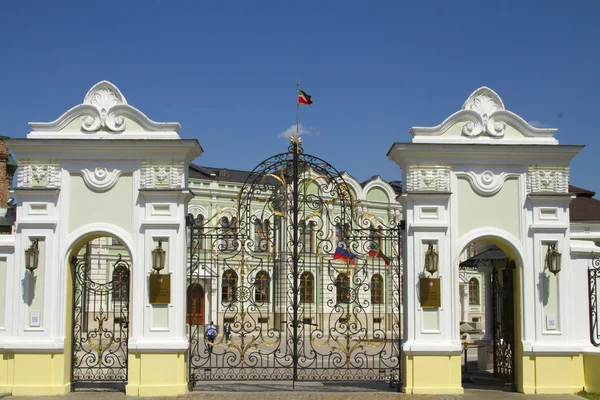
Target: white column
489	312
464	302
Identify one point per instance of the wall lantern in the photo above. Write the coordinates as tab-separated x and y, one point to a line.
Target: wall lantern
553	259
158	257
32	256
431	259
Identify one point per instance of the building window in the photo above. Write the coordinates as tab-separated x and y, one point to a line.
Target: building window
473	291
228	286
376	289
342	232
342	288
120	281
307	288
307	236
261	290
195	235
375	236
229	233
262	237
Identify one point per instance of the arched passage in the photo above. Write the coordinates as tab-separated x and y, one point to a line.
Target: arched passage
99	305
489	312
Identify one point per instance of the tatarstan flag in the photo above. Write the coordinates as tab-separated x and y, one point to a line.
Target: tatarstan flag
304	98
375	252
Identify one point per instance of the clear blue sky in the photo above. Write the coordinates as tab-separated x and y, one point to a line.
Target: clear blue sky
227	71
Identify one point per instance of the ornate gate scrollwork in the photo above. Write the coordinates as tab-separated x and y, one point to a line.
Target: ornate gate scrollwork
309	284
100	323
594	289
503	323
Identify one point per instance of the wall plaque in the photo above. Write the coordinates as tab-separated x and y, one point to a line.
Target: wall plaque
160	288
430	292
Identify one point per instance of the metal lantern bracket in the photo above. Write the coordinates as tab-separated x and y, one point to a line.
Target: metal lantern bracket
553	258
158	258
431	259
32	256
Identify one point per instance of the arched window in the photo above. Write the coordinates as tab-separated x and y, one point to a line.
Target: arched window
307	236
228	286
120	281
195	236
262	234
261	289
376	289
307	288
473	291
342	288
229	233
342	232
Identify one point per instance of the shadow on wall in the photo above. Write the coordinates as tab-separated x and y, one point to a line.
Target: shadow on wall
543	288
28	284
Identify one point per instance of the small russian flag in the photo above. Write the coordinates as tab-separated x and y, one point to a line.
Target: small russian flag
344	255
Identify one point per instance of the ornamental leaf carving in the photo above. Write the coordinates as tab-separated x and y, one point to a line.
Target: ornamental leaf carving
104	97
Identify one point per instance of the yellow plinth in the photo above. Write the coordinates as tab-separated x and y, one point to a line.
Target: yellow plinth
33	374
157	374
591	366
553	374
432	374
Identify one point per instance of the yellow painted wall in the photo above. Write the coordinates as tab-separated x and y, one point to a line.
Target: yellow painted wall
553	374
6	372
157	374
591	366
432	374
35	374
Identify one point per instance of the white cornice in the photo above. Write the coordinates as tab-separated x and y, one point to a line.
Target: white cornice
105	149
486	154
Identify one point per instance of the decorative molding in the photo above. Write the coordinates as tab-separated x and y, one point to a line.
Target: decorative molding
428	179
104	96
486	183
483	114
100	179
38	175
162	176
104	109
548	179
484	102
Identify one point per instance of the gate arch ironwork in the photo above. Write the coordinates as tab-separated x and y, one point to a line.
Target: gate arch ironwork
100	328
594	292
310	285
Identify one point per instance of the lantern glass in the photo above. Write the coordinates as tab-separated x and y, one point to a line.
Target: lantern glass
32	255
431	260
158	257
553	258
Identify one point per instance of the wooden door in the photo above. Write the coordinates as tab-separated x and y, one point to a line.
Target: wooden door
195	305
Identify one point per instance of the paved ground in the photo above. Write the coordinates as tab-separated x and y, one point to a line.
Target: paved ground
305	391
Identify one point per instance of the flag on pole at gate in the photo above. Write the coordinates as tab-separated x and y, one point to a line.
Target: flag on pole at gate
304	98
344	255
376	252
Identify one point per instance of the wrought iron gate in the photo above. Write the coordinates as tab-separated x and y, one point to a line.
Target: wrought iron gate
594	288
310	286
503	323
100	322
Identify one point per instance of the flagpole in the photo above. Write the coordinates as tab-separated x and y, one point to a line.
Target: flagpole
297	109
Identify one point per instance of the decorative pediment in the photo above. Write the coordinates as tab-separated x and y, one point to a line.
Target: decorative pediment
484	119
104	113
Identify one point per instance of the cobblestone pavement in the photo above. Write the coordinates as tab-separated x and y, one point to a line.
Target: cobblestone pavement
303	391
